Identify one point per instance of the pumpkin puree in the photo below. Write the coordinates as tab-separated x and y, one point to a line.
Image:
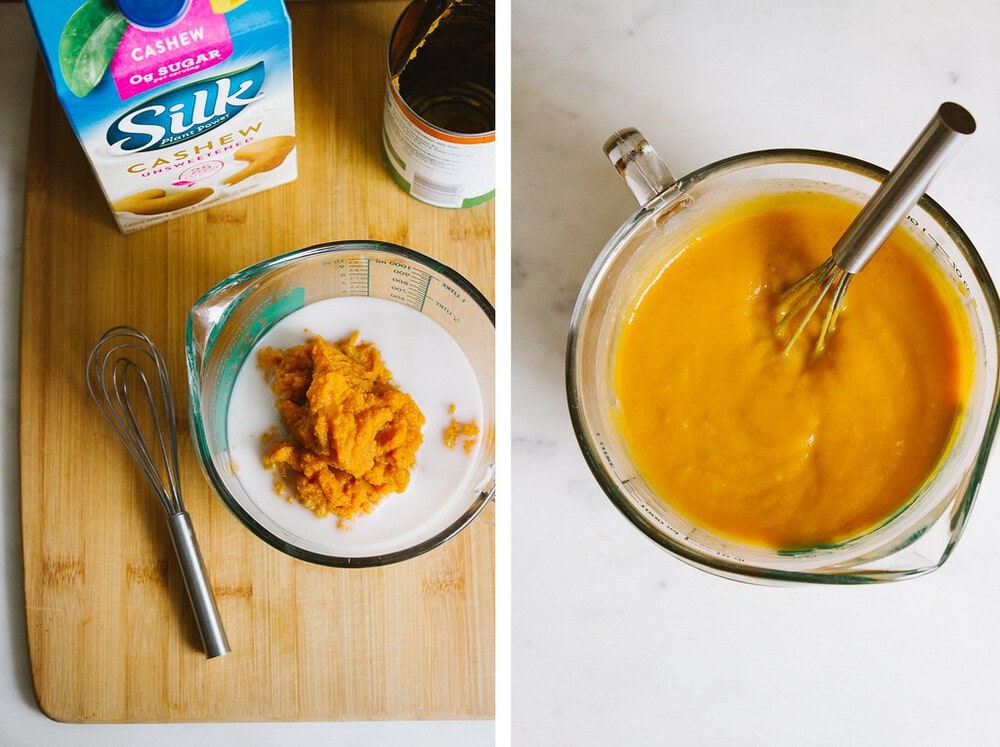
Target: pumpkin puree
790	452
468	432
353	436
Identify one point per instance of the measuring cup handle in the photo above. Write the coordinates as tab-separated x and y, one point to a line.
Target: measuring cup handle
637	164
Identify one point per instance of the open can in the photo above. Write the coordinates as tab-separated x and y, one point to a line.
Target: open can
438	133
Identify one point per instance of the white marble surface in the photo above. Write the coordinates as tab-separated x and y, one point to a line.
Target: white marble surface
614	641
21	723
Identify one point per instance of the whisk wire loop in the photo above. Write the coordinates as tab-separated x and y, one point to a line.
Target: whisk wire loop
806	295
118	381
129	375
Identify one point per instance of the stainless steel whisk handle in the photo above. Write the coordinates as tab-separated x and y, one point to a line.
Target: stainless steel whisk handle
906	183
213	636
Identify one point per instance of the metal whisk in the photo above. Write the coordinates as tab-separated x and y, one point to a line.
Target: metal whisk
881	214
127	378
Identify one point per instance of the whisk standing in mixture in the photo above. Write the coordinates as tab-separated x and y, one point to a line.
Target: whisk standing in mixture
894	198
127	378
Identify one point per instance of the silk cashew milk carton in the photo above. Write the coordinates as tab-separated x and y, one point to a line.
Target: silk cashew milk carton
179	104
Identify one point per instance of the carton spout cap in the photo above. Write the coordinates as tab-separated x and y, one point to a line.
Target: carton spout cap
152	14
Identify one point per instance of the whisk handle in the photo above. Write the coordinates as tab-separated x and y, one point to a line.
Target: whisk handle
905	184
199	591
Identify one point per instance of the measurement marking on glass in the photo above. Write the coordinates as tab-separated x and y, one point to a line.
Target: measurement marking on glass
409	285
427	287
406	284
446	299
354	276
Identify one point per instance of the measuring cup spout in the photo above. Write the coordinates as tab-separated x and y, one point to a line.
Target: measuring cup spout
208	312
637	164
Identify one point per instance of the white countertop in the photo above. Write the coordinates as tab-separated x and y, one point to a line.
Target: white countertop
614	641
21	722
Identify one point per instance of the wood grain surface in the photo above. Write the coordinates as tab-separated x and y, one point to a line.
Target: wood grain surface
110	633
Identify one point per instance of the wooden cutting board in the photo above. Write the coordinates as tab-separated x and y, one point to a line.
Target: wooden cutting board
110	633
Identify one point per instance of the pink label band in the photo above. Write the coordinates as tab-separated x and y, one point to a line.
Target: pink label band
146	58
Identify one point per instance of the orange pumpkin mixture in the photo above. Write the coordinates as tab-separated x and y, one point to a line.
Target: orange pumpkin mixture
456	429
790	452
353	436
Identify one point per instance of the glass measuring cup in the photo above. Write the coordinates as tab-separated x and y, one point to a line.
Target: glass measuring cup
422	315
919	537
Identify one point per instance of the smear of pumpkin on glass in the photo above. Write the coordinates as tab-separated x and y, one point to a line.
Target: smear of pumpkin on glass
790	452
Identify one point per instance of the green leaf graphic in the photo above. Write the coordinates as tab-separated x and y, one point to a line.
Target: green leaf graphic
88	43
